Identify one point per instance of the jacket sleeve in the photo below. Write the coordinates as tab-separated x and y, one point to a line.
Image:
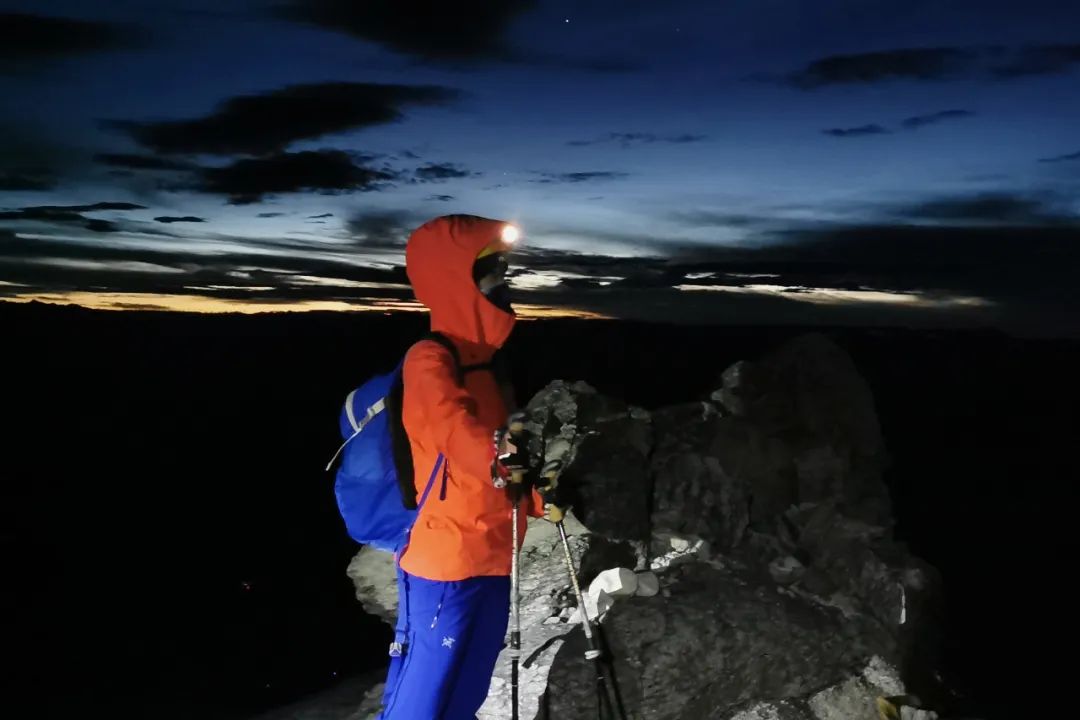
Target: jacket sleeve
450	412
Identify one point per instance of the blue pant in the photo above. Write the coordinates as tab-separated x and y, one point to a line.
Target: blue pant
452	633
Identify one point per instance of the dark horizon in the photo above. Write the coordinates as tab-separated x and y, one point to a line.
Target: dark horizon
872	163
177	547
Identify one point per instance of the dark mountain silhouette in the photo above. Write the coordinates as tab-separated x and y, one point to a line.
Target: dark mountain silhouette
172	540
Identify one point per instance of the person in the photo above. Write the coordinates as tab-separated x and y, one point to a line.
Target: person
454	572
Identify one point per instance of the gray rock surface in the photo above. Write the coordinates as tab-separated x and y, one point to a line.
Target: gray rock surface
687	474
604	445
808	406
780	591
717	640
853	697
374	578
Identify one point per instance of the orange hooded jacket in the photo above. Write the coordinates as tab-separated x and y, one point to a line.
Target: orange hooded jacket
464	531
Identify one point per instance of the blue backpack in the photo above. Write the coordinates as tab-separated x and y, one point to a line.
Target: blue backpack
374	482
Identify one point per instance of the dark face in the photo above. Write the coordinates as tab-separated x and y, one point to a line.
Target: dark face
489	274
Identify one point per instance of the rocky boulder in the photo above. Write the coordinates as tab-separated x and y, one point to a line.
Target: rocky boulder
603	446
762	513
373	576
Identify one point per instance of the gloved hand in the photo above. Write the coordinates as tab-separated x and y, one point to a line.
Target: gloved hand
547	486
517	456
512	463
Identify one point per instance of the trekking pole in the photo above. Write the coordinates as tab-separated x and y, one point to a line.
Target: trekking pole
516	487
515	597
606	694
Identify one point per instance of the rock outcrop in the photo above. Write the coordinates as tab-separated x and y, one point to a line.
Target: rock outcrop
372	573
779	590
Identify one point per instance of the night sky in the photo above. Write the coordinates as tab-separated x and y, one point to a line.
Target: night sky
765	161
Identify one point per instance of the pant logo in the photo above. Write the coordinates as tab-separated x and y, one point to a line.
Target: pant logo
448	642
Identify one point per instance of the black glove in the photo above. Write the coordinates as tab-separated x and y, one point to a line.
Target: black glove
512	463
518	454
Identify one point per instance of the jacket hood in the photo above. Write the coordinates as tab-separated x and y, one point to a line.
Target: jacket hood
438	260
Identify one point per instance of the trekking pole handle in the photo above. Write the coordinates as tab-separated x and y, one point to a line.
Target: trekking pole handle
510	465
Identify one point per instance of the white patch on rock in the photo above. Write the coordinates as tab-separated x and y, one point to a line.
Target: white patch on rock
596	604
883	676
690	550
616	582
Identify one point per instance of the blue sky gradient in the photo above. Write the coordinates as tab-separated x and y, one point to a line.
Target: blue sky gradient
625	137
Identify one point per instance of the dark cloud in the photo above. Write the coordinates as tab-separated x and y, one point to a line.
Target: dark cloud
439	198
322	171
442	33
918	121
860	131
912	123
429	30
580	177
1010	251
1016	277
31	157
722	219
141	162
590	64
382	229
995	208
936	64
1004	264
167	219
1015	271
27	39
916	64
40	266
270	214
1038	60
136	306
266	123
1061	158
633	139
70	215
27	180
47	212
440	172
320	217
101	226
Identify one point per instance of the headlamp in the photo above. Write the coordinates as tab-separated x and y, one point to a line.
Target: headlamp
509	235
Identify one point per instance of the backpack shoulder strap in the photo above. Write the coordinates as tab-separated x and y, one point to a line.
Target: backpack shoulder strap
462	370
399	443
450	348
